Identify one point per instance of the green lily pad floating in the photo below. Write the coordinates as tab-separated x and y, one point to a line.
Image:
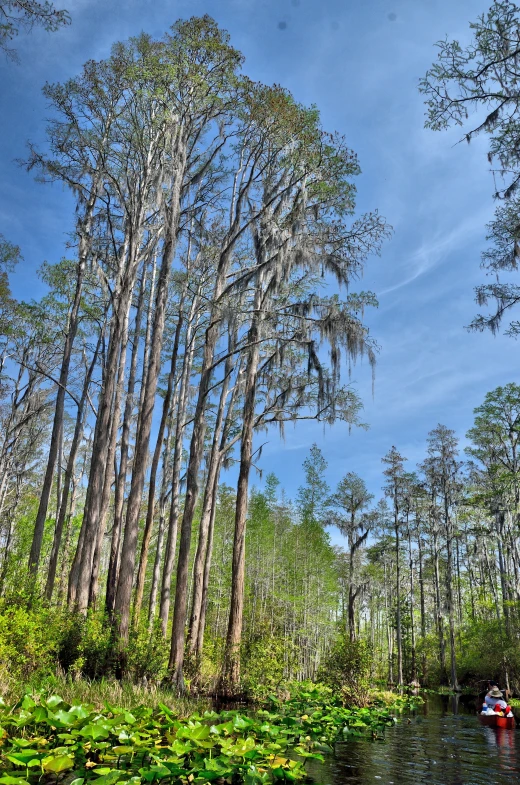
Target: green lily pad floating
58	764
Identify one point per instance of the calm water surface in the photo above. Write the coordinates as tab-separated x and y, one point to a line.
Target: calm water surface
443	744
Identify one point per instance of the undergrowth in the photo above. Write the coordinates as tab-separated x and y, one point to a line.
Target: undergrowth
47	739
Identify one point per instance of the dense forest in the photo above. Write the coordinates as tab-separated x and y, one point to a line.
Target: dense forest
208	295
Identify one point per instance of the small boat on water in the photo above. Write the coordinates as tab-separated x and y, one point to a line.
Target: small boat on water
495	721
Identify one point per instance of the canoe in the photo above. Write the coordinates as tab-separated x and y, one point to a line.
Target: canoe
494	721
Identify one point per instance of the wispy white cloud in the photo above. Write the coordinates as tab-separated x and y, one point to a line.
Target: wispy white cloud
436	249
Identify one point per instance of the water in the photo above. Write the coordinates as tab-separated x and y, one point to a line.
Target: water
440	744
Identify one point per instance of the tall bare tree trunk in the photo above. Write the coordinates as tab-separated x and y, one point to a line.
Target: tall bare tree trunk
147	344
192	481
438	608
84	229
230	676
171	542
98	465
156	574
412	607
389	637
72	585
110	471
449	592
207	570
115	549
207	506
143	561
422	606
199	422
128	553
225	444
69	472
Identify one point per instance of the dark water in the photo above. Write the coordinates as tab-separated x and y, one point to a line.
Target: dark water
443	744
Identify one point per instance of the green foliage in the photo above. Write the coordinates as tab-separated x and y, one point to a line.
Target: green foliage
147	654
86	647
35	641
494	444
44	734
482	77
347	669
482	658
19	15
312	497
9	257
28	642
265	660
323	715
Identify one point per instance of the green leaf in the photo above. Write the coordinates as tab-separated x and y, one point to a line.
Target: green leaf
40	714
54	701
8	780
58	764
67	718
110	777
22	758
155	772
94	731
80	711
241	722
179	747
22	742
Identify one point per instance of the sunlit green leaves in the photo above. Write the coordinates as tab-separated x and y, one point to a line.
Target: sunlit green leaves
144	746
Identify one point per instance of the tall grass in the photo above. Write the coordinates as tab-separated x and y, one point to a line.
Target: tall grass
122	694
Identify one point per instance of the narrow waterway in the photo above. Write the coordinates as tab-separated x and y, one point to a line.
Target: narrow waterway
441	744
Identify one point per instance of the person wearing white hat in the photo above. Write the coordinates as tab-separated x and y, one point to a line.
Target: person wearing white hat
495	698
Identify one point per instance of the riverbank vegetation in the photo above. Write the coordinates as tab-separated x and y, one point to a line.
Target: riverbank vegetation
421	591
44	735
208	297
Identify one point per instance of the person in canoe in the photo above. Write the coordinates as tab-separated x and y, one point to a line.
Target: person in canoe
494	700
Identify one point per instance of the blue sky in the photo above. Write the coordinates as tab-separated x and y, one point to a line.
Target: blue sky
360	62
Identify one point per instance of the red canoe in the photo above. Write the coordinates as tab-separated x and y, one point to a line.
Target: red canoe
494	721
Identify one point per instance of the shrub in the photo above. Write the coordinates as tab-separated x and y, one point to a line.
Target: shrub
487	653
264	662
346	670
147	654
29	641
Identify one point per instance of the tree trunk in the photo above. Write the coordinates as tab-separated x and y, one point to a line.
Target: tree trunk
143	561
110	471
438	608
154	589
398	607
57	426
128	553
69	472
147	345
115	544
413	673
230	676
213	469
171	542
449	590
207	570
98	464
423	607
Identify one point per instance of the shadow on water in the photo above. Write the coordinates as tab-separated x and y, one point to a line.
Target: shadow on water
439	744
